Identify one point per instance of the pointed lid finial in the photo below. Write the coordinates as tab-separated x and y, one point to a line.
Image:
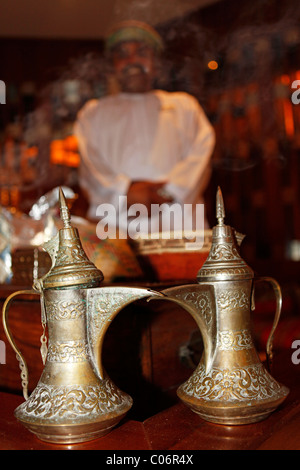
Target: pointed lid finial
64	210
220	209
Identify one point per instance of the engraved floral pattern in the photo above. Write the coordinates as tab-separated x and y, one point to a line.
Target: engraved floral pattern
105	306
70	253
201	301
65	310
225	251
234	340
229	299
69	402
71	351
232	385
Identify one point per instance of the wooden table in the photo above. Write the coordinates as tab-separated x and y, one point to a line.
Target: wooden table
177	428
157	420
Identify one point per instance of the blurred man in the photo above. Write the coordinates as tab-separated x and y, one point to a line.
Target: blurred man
152	146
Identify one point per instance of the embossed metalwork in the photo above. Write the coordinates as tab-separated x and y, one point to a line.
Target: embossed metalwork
71	351
233	298
102	306
224	261
65	310
70	265
224	252
51	402
234	340
230	385
233	385
201	301
74	400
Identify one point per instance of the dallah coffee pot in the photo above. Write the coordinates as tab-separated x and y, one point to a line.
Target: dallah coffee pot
74	400
230	385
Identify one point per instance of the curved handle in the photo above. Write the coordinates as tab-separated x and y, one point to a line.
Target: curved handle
22	362
277	290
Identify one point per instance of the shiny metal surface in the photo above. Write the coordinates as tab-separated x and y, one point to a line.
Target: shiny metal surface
74	400
230	385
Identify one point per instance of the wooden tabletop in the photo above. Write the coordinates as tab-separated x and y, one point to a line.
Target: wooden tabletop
178	428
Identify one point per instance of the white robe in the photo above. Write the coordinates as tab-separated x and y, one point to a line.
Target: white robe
156	136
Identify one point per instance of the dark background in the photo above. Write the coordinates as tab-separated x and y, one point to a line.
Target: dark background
248	99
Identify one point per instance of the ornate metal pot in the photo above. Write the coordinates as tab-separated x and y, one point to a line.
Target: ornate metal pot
74	400
230	385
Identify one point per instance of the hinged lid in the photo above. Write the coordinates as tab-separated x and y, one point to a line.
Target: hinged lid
71	266
224	261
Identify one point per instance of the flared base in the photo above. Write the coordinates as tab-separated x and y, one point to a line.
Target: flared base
74	413
72	433
233	414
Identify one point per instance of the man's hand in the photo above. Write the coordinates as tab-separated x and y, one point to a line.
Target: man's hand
147	193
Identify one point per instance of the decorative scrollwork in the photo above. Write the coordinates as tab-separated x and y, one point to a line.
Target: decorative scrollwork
234	340
71	351
70	253
224	271
224	251
232	385
105	304
230	299
69	402
201	301
65	310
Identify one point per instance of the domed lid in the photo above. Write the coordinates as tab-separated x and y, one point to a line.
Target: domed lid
70	264
224	262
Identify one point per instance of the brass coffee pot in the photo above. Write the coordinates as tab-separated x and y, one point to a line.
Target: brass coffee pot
74	400
230	385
